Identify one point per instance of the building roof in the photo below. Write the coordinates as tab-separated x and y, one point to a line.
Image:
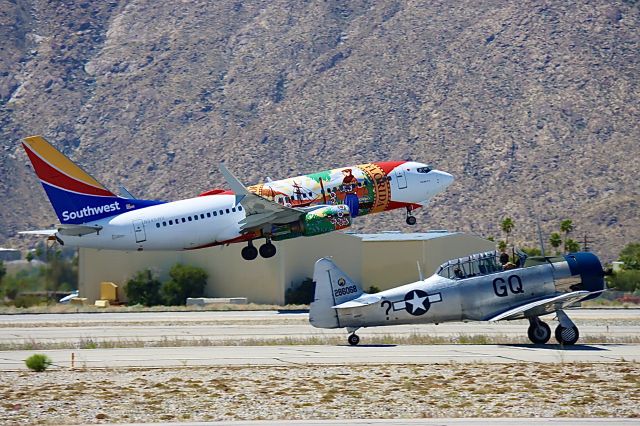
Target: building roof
400	236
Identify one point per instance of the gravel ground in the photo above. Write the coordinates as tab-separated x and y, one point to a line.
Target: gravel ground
320	392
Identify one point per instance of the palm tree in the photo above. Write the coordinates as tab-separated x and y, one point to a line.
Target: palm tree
555	240
507	226
572	246
566	226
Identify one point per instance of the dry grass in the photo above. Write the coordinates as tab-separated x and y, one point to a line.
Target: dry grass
387	339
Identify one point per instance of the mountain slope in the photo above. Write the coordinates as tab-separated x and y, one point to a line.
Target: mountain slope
534	107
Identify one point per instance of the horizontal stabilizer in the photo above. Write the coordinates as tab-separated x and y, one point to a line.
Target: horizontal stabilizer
544	306
42	232
364	300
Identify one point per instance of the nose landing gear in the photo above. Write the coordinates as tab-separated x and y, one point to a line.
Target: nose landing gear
411	219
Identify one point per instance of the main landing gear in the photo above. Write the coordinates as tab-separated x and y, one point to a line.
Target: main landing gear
267	250
411	219
566	332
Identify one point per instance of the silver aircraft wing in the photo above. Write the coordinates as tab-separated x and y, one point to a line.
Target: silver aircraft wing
543	306
364	300
259	211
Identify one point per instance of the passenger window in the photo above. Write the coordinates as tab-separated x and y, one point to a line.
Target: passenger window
171	222
208	214
189	218
239	208
183	220
221	212
195	217
233	209
158	225
164	223
227	211
201	215
215	213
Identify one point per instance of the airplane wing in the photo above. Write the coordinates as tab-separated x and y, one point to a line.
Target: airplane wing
544	306
364	300
70	230
259	210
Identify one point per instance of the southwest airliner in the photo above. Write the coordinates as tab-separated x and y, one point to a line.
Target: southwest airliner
92	216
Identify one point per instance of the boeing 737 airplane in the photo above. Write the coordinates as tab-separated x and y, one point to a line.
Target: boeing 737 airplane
92	216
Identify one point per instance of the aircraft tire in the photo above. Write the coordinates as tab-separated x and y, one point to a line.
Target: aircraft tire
540	333
249	253
267	250
411	220
567	335
353	339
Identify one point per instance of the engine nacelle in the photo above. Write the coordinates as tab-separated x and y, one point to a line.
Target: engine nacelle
325	219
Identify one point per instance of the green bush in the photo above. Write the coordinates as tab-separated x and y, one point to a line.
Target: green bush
302	294
374	289
186	281
625	280
38	362
143	289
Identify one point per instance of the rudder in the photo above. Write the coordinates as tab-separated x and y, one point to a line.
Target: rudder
333	287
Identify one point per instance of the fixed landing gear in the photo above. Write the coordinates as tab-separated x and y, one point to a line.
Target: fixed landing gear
539	331
267	250
411	219
353	339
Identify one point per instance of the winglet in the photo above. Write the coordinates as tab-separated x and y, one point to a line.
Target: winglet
236	186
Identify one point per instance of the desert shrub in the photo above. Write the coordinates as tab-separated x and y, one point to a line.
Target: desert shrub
301	294
38	362
186	281
374	289
143	289
625	280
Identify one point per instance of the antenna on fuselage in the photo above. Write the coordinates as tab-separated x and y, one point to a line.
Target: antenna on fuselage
419	271
540	236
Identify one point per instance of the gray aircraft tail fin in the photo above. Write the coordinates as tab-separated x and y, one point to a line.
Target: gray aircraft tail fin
333	287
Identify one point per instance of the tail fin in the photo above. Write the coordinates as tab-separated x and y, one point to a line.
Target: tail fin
75	195
333	287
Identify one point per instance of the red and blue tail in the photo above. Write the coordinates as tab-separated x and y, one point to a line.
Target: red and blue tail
75	195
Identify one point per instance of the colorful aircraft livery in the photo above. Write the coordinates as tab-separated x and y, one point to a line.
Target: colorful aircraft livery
92	216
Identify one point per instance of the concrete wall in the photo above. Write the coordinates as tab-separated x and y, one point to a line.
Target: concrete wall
381	263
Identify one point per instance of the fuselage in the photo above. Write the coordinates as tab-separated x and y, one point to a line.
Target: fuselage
214	218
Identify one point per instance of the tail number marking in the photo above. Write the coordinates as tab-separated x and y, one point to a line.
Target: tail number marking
342	291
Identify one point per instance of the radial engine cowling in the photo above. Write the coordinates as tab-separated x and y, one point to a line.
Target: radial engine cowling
325	219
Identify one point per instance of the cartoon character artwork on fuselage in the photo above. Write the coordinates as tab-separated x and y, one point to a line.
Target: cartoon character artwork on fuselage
92	216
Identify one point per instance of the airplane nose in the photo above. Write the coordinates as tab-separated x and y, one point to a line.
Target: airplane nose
588	266
443	178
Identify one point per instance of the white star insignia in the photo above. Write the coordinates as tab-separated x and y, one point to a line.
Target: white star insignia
417	302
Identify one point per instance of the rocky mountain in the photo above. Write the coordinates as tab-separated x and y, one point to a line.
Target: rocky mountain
534	106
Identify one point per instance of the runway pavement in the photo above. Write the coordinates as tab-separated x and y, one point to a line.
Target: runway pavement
228	327
222	356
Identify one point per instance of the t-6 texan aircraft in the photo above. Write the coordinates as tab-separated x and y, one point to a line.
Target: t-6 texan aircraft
473	288
92	216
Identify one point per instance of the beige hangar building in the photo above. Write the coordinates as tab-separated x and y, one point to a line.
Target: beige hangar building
384	260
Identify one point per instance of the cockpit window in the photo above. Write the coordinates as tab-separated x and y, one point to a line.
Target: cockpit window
424	169
471	266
